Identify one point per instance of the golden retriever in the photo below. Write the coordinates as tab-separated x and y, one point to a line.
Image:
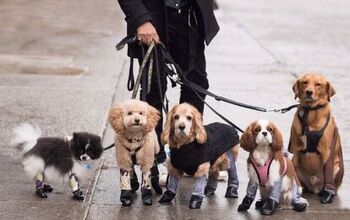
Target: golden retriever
315	140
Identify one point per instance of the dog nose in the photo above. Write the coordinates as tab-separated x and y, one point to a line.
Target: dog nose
264	133
137	120
182	127
83	158
309	92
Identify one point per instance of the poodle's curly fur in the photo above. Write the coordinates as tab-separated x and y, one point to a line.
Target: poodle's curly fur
134	123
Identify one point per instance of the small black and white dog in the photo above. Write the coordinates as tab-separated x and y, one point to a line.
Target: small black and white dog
52	159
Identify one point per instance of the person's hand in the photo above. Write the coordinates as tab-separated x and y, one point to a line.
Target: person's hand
147	33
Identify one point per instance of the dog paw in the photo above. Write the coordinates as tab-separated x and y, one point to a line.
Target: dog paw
78	195
47	188
167	197
155	185
195	202
146	195
327	197
41	193
209	191
245	205
126	197
231	192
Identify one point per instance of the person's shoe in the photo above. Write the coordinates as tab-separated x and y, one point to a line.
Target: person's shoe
134	184
155	185
269	207
245	205
126	197
146	195
195	202
167	197
41	193
47	188
299	206
259	204
327	196
231	192
78	195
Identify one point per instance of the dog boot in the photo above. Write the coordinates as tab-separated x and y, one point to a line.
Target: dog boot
259	204
269	207
146	195
155	185
78	195
299	206
327	196
231	192
211	186
41	193
47	188
195	202
209	191
167	197
245	205
126	197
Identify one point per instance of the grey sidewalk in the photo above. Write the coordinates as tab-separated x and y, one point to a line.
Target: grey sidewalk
261	47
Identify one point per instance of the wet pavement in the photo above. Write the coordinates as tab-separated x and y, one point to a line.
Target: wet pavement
59	69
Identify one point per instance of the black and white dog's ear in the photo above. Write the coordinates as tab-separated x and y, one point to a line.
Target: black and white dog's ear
75	136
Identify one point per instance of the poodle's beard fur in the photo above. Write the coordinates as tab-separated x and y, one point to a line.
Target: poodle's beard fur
134	123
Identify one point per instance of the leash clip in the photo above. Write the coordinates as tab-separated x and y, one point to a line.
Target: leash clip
173	75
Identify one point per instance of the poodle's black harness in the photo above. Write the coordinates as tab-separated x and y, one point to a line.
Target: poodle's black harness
221	138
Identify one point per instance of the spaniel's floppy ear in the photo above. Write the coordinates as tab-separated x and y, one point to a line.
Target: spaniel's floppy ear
277	140
201	134
168	126
330	91
152	118
296	88
115	118
247	141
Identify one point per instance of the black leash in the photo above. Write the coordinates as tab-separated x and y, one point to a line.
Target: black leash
109	147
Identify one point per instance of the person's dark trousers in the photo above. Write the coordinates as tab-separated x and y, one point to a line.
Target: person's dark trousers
186	46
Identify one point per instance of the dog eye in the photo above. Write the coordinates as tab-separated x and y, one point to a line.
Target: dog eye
129	113
257	130
189	118
304	82
176	117
140	113
269	129
318	84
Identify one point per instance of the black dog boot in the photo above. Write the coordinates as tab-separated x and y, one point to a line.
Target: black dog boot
47	188
167	197
299	206
259	204
78	195
195	202
231	192
40	192
245	205
327	196
126	197
146	195
269	207
209	191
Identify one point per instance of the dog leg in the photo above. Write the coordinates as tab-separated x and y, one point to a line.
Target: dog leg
252	188
299	203
232	183
170	193
155	179
198	192
39	185
211	186
272	202
74	185
146	192
126	192
134	181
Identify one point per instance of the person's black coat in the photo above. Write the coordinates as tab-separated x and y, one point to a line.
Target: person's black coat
138	12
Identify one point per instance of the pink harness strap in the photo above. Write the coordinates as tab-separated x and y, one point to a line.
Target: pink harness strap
263	171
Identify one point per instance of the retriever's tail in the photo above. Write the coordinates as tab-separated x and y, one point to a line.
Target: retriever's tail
25	137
